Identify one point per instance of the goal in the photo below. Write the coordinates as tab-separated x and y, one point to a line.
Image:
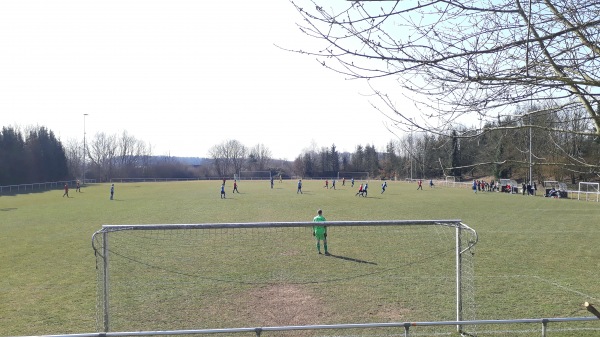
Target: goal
254	175
589	189
451	181
355	175
227	275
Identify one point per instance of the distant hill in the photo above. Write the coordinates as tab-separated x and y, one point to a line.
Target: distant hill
192	160
184	160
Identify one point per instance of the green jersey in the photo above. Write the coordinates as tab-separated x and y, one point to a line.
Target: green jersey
319	231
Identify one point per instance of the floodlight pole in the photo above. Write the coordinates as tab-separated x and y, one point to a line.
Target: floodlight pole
530	154
411	151
530	93
84	148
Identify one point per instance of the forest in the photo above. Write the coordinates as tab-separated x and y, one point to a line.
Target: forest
505	150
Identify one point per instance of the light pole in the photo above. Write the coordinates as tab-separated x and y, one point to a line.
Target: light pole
411	149
84	148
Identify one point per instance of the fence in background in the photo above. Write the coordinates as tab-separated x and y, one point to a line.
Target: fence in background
58	185
27	188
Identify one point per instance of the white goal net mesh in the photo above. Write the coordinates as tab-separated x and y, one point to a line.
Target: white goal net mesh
166	277
254	175
588	191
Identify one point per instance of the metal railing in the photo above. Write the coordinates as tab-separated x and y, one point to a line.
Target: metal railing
45	186
405	326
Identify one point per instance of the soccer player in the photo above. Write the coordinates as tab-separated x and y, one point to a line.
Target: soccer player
320	232
360	190
365	190
420	185
78	187
352	182
383	186
66	190
223	190
271	182
333	184
234	187
112	191
431	183
299	187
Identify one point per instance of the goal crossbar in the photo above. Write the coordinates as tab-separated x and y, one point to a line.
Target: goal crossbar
114	228
254	175
101	244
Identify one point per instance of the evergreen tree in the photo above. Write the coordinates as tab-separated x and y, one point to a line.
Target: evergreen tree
46	156
12	157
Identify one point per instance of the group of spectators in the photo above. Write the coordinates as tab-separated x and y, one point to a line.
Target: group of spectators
480	185
492	186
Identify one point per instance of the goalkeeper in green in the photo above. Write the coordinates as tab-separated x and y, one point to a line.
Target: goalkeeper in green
320	232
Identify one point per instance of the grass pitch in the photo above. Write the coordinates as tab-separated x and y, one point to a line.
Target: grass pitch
536	257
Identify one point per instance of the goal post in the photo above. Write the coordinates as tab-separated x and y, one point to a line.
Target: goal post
356	175
254	175
223	275
588	189
451	181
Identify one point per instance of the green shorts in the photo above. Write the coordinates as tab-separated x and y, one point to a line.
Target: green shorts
320	232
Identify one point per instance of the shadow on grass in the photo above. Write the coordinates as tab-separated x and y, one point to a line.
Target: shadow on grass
8	209
351	259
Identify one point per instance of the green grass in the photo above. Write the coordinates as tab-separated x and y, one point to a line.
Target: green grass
536	257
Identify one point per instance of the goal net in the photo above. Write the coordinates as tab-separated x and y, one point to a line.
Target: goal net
451	181
590	190
167	277
254	175
355	175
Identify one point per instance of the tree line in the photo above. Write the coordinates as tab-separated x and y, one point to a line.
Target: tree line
474	60
505	150
34	155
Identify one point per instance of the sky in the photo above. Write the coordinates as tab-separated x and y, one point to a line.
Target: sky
180	75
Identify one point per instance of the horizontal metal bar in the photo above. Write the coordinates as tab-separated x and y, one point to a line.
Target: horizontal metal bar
330	326
277	224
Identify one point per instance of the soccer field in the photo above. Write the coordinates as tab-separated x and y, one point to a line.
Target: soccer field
536	257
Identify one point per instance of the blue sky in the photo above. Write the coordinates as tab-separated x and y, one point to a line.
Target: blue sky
180	75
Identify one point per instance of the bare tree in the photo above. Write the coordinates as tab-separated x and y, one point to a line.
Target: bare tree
220	159
102	150
238	153
229	157
131	154
74	153
259	157
467	60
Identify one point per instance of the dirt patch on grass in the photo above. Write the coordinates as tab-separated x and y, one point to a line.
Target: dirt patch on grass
388	313
284	304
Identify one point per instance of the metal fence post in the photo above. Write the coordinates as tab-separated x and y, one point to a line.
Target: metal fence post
105	280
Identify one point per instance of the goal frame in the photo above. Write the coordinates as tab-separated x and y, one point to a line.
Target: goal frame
101	247
585	183
241	177
356	175
450	180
